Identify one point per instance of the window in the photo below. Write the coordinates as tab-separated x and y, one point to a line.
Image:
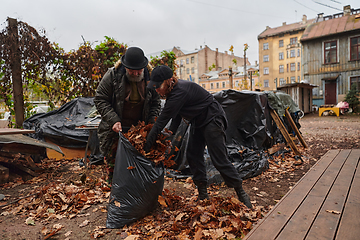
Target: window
356	81
282	81
192	59
281	43
281	68
266	83
211	85
287	67
181	62
217	85
298	78
293	40
266	70
192	70
236	83
292	53
265	46
266	58
187	71
281	56
298	53
292	79
187	61
203	85
355	48
223	84
330	52
292	67
298	66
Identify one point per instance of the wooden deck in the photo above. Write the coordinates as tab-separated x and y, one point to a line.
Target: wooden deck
324	204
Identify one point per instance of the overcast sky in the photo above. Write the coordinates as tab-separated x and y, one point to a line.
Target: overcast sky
156	25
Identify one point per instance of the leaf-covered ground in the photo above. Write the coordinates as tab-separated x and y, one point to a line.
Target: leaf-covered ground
67	202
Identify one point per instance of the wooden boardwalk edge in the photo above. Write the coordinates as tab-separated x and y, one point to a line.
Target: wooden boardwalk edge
270	229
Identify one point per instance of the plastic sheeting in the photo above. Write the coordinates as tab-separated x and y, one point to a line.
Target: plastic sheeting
136	185
59	125
249	120
280	101
250	131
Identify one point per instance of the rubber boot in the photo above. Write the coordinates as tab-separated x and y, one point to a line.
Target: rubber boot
243	196
202	189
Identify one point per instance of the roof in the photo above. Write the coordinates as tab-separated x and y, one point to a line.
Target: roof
331	27
285	28
300	84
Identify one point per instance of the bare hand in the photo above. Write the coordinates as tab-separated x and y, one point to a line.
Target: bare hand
117	127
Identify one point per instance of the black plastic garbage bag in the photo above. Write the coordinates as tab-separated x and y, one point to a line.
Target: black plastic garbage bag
249	163
136	185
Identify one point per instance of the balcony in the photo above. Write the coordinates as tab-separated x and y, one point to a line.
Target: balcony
314	68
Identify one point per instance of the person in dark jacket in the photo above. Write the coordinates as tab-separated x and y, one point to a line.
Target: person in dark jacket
122	99
187	100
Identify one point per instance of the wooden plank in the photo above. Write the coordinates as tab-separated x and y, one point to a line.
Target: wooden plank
349	227
8	131
300	223
326	223
284	132
293	126
270	226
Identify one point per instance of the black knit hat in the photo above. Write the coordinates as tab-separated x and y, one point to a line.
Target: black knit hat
134	58
158	75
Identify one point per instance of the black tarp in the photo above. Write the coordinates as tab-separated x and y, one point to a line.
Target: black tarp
250	132
58	126
249	120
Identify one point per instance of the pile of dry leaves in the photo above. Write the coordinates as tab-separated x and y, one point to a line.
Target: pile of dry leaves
179	217
68	195
159	151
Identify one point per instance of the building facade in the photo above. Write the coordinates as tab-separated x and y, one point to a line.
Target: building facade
191	65
280	54
331	55
233	78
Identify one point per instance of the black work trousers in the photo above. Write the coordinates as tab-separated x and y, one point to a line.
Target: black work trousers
211	135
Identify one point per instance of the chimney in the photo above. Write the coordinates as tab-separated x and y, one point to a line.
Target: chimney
267	27
200	47
304	19
256	64
347	10
320	17
226	52
284	23
217	49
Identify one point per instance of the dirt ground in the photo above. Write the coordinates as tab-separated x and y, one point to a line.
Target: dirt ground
320	134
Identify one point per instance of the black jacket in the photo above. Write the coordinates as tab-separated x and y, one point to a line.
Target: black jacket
190	101
109	101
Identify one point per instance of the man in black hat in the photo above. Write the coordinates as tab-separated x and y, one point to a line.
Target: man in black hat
187	100
122	99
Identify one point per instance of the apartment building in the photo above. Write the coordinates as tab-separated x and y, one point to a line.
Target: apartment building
331	55
280	54
192	64
215	81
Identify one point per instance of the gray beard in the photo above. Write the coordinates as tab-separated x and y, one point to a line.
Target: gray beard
133	78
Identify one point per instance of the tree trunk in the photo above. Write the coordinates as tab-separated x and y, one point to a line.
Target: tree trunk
16	73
